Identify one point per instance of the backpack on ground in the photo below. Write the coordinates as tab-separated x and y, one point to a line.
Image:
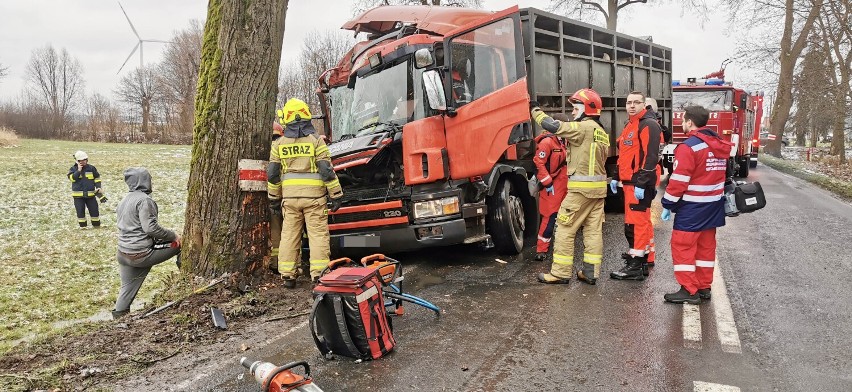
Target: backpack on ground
348	317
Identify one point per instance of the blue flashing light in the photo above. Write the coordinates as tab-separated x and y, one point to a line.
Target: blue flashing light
675	83
714	82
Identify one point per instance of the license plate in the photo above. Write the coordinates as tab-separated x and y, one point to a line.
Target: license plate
360	241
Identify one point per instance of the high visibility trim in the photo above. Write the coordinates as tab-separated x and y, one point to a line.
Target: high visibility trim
322	149
592	258
702	199
705	263
319	265
290	176
332	184
684	268
81	220
586	185
563	259
546	178
669	197
574	125
706	188
298	182
636	252
539	117
679	177
272	186
592	158
95	219
544	239
273	252
78	194
90	175
71	177
97	180
588	178
699	146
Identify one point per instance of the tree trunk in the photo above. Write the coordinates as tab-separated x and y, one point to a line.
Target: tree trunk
226	230
612	16
146	114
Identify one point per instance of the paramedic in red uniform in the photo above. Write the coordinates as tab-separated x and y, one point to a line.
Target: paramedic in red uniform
551	169
695	194
639	174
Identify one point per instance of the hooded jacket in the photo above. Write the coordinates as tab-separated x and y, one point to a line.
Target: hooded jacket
638	151
138	228
697	186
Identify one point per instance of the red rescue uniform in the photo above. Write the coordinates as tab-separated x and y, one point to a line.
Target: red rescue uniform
551	169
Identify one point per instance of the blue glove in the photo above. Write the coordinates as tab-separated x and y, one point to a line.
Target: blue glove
666	215
613	186
550	190
639	193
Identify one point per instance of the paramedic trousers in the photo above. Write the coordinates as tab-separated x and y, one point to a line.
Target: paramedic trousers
575	212
133	269
638	228
81	204
694	257
545	233
311	213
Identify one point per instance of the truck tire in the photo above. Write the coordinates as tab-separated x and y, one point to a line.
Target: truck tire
505	218
744	165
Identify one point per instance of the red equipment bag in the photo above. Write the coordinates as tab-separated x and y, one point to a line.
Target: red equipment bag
348	316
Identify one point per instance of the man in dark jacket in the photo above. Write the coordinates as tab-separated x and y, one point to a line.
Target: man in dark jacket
695	193
85	186
142	242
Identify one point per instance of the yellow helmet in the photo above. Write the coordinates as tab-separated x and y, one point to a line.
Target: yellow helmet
294	110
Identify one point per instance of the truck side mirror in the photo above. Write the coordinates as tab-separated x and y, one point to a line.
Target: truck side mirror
423	58
434	90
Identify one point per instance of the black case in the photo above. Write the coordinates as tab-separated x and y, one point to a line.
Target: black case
749	197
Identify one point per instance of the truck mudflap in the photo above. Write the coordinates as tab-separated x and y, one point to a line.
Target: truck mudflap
399	238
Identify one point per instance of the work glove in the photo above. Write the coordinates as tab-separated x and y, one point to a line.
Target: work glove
275	206
335	204
534	104
613	186
639	193
550	190
666	215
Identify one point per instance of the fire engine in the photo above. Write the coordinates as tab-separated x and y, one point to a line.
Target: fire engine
430	124
735	114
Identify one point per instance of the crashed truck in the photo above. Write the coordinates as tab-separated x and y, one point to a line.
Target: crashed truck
430	125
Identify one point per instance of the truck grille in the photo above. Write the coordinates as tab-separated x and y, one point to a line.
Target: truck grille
372	195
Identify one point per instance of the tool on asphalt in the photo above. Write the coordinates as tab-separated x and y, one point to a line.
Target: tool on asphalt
177	301
218	318
280	378
348	316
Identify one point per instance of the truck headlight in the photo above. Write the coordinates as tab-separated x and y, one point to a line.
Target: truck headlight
437	207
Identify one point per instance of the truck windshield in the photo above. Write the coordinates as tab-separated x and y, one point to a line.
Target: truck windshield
714	101
393	95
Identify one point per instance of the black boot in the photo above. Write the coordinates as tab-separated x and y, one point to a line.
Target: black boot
682	297
540	256
288	281
587	274
117	314
633	270
704	293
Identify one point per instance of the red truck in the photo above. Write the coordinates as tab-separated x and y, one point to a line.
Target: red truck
735	114
430	126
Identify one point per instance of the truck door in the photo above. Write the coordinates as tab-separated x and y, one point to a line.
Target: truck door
487	92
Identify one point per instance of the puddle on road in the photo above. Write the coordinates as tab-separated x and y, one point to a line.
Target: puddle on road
421	281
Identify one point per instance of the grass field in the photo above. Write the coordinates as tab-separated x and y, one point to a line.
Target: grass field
53	272
835	184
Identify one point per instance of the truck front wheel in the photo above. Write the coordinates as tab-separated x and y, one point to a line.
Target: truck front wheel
506	218
744	166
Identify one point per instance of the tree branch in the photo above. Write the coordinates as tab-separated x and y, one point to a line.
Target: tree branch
628	2
595	5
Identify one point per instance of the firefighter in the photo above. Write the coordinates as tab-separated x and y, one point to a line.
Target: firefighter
277	216
551	171
584	204
695	194
301	178
639	173
85	187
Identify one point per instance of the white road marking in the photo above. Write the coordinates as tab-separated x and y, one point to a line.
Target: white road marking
701	386
206	372
725	325
691	326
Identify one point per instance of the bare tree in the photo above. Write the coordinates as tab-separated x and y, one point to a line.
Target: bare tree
141	88
103	119
179	73
834	27
812	117
592	10
363	5
56	79
226	228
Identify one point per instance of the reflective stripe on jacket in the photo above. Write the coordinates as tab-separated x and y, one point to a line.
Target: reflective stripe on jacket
84	183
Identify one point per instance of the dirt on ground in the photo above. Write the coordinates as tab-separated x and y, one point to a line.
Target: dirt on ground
95	356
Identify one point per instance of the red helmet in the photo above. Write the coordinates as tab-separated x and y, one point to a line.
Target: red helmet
590	99
277	129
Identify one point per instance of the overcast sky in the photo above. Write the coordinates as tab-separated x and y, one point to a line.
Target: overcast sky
97	34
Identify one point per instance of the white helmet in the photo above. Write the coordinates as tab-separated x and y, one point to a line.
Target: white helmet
80	155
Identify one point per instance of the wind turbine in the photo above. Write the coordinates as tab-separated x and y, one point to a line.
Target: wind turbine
138	45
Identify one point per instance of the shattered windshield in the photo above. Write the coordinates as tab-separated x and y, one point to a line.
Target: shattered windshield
714	101
393	95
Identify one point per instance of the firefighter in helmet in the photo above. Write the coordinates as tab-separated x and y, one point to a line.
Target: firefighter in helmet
85	188
301	179
583	206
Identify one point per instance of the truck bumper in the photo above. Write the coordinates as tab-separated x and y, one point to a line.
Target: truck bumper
398	239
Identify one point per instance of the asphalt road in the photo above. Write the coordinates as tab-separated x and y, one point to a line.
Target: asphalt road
779	319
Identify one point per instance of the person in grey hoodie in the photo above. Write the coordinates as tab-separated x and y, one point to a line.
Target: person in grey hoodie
142	242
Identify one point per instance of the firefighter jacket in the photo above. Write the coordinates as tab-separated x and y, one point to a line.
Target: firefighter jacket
697	185
300	165
588	148
639	151
84	183
551	169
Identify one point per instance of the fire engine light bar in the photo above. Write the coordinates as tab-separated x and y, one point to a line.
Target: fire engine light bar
675	83
714	82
